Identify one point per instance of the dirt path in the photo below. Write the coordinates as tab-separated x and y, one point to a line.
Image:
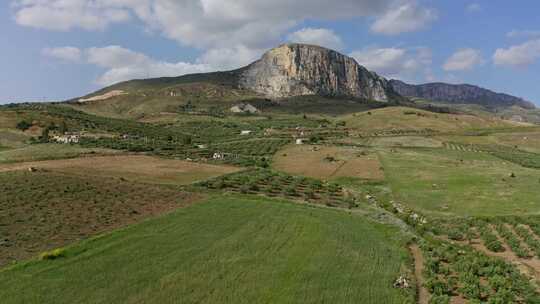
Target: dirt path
423	294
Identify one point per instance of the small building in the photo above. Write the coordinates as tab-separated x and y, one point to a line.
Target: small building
246	132
67	139
300	141
201	146
218	155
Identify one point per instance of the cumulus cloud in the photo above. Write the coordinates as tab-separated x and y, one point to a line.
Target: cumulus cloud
63	15
519	55
473	8
464	59
405	64
67	53
123	64
230	58
406	17
216	23
318	36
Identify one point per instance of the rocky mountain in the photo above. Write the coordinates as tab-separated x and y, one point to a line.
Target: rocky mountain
459	94
300	69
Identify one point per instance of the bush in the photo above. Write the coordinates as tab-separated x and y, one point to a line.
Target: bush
52	255
290	191
23	125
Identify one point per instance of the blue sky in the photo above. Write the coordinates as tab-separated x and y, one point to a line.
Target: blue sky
59	49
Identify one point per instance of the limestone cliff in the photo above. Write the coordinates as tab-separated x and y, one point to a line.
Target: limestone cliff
300	69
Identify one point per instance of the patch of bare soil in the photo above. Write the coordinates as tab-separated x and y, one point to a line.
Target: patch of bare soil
423	293
139	168
40	211
328	162
105	96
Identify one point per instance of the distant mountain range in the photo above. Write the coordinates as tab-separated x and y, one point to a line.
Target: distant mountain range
459	94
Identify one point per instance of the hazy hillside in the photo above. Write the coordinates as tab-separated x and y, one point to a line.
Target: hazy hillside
459	94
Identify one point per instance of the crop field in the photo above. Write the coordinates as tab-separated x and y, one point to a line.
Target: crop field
48	152
139	168
406	118
251	250
43	210
275	184
446	182
327	162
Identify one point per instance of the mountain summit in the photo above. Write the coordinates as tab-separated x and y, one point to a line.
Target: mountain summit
299	69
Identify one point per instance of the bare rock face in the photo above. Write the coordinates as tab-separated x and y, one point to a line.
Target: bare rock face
300	69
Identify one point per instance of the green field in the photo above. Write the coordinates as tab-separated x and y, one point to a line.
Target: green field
227	250
448	182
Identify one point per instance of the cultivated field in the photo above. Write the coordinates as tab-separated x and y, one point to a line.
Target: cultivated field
49	152
43	210
230	249
414	119
137	168
328	162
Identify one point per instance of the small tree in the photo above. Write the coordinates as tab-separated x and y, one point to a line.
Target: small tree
23	125
44	138
63	127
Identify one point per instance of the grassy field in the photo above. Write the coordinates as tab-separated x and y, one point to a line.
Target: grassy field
448	182
138	168
325	162
229	249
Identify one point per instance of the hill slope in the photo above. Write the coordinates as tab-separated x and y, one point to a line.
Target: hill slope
459	94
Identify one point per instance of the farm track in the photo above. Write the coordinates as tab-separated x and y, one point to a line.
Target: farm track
423	293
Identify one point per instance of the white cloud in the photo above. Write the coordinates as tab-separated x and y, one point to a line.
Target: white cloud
464	59
67	53
405	64
523	34
406	17
230	58
123	64
518	55
217	23
317	36
64	15
473	8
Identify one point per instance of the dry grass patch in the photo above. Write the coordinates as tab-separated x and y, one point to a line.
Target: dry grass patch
138	168
328	162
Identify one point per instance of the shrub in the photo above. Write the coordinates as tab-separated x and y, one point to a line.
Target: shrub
290	191
52	255
23	125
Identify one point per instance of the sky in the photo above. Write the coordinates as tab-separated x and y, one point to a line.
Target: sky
60	49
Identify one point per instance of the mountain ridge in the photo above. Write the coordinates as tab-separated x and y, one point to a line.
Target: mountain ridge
459	94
